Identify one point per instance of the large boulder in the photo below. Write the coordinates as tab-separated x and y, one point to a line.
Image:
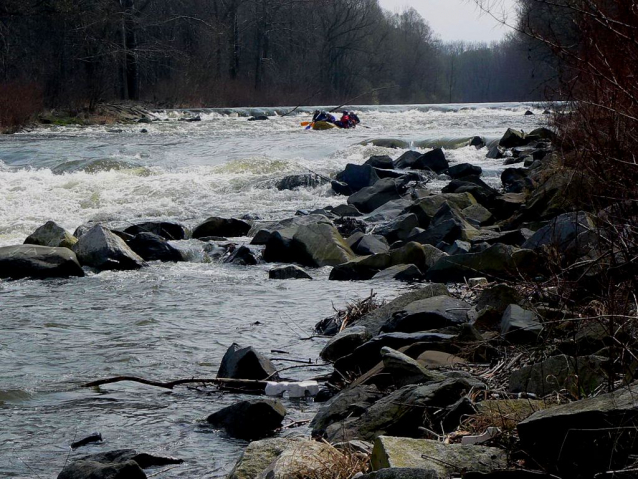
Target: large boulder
258	456
245	363
519	325
463	169
398	228
447	225
309	180
242	256
426	208
513	138
369	199
434	458
319	245
288	272
224	227
428	314
497	261
561	231
101	249
382	161
432	160
253	419
167	230
400	272
152	247
29	261
305	458
97	470
344	342
586	437
358	176
402	370
370	244
53	235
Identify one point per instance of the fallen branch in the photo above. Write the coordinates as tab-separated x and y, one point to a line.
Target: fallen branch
171	384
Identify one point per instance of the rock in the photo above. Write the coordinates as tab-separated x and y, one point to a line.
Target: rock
262	231
319	245
509	474
371	244
399	228
580	375
458	247
494	153
216	226
389	211
478	142
258	456
438	359
514	161
447	225
520	326
404	370
389	143
426	208
513	138
30	261
242	256
304	458
252	419
50	234
428	314
344	343
246	363
99	248
349	403
309	180
168	231
491	303
346	210
561	231
347	225
498	261
542	134
258	118
97	470
152	247
357	176
582	438
406	159
288	272
340	188
400	413
443	460
382	161
370	198
400	272
432	160
463	169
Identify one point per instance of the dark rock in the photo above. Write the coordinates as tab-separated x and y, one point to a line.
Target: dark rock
383	162
370	198
152	247
561	231
252	419
288	272
246	363
344	343
341	188
458	247
371	244
400	272
404	370
529	113
464	169
477	142
586	437
428	314
432	160
491	304
242	256
30	261
513	138
53	235
407	159
169	231
101	249
509	474
399	228
494	153
309	180
348	225
319	245
97	470
515	179
95	437
519	325
346	210
288	227
514	161
216	226
258	118
542	134
357	177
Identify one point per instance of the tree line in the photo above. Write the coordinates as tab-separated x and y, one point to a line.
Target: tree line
249	52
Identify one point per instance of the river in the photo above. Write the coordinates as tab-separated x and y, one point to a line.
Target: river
171	321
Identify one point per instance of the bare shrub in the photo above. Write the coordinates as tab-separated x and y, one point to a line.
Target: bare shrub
19	103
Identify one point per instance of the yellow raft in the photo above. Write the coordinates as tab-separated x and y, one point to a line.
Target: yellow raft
323	125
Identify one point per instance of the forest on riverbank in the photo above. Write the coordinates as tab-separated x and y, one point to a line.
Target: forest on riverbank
218	53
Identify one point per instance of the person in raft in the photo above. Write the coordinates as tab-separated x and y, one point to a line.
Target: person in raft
348	120
323	116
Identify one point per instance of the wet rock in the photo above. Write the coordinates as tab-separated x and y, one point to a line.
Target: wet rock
288	272
400	272
152	247
252	419
97	470
561	231
319	245
586	437
245	363
442	460
371	244
463	169
344	343
399	228
406	159
494	153
428	314
382	161
578	375
520	326
341	188
389	143
292	182
168	231
432	160
478	142
226	227
95	437
31	261
347	225
262	231
258	118
358	177
258	456
99	248
346	210
498	261
242	256
370	198
53	235
513	138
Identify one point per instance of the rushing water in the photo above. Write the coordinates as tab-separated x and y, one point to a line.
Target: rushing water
172	321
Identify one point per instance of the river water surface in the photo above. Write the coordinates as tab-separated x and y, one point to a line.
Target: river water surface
171	321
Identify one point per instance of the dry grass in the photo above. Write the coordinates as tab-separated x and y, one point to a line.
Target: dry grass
333	463
353	312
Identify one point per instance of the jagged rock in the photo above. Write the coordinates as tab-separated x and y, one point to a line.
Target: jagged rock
494	152
152	247
491	303
428	314
370	244
432	160
426	208
586	437
226	227
561	231
242	256
447	225
101	249
288	227
348	225
444	460
357	176
478	214
399	228
258	456
32	261
400	272
252	419
288	272
245	363
53	235
319	245
369	199
513	138
340	188
404	370
346	210
498	261
406	159
344	343
580	375
382	161
169	231
463	169
519	325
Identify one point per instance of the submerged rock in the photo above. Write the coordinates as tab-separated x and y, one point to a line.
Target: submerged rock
50	234
30	261
292	182
242	256
252	419
288	272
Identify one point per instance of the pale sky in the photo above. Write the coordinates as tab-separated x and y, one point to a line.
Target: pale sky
458	19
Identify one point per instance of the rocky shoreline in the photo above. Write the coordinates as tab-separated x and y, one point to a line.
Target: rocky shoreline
480	371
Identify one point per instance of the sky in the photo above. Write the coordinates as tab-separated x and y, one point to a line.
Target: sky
457	19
